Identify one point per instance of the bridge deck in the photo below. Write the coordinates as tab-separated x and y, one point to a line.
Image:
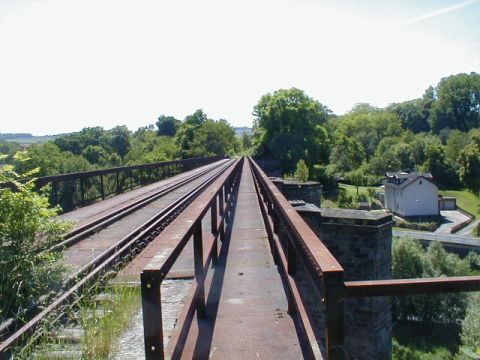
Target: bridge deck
246	303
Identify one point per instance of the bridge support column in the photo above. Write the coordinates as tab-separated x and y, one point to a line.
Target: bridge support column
361	242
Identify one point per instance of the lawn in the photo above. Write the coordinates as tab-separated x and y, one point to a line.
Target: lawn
465	199
352	190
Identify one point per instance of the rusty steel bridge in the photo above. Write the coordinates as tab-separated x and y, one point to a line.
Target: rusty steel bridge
264	285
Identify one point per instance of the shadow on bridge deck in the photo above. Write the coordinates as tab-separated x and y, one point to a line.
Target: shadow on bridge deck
246	303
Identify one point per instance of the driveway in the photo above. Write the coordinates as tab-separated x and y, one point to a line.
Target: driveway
450	218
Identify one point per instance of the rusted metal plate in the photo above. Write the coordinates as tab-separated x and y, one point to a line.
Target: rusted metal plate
246	302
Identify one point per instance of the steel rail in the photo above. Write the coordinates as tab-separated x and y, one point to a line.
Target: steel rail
141	236
85	230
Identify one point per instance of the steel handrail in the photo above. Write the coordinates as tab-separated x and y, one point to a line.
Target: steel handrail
217	198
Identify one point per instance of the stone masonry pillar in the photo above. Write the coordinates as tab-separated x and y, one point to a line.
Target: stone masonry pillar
361	242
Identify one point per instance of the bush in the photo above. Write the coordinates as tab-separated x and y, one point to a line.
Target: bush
422	226
344	200
301	172
28	227
471	325
411	260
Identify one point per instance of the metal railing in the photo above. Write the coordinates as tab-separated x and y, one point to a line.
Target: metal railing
466	241
292	240
82	188
217	199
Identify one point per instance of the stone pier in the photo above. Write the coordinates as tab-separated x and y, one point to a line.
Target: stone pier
361	241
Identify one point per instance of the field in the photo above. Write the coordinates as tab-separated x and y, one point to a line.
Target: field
465	199
33	139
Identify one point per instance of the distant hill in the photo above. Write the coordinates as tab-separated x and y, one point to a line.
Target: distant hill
26	138
240	130
9	136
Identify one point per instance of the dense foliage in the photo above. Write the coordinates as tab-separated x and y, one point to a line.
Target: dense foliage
28	227
290	126
95	147
437	133
411	260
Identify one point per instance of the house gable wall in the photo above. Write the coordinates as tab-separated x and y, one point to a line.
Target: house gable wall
419	198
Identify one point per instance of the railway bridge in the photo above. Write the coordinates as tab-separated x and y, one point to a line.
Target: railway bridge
268	281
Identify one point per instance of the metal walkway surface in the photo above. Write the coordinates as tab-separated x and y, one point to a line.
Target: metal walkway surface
246	304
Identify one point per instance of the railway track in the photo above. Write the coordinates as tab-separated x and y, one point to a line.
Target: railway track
143	220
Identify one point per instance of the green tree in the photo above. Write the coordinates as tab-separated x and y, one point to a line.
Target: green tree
458	103
471	325
95	155
301	171
28	227
410	260
291	128
215	138
119	140
347	155
187	131
167	125
469	160
413	114
368	126
456	141
77	142
51	160
246	141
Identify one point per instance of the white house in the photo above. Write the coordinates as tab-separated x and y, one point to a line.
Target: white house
411	194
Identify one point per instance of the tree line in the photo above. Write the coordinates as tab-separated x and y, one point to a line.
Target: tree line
437	133
94	147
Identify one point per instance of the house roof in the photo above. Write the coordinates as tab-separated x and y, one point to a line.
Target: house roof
400	180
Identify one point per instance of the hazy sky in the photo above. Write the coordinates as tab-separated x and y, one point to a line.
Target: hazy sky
66	64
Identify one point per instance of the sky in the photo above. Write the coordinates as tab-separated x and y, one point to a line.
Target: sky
66	65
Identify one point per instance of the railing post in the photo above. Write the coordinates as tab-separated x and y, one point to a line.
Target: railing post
82	192
221	206
334	292
275	221
198	260
118	183
54	193
152	316
291	270
214	227
102	189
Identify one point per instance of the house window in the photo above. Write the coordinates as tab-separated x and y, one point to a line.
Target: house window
420	182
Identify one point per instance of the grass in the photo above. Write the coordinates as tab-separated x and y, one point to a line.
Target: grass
101	334
352	190
428	341
465	199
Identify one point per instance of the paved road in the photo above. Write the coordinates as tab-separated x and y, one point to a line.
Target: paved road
468	241
450	218
467	230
